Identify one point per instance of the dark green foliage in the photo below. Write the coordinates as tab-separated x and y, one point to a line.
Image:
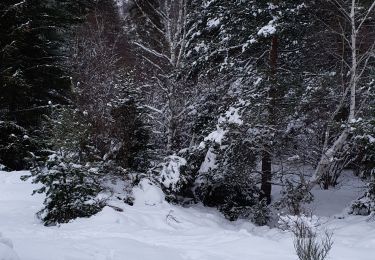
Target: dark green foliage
194	158
130	130
231	184
226	36
363	154
365	205
71	176
71	189
15	145
364	148
33	37
32	51
234	198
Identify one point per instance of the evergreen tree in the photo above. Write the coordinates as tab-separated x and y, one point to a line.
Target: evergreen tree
264	47
71	176
32	50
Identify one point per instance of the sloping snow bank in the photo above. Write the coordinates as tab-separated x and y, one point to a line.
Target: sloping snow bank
155	230
6	249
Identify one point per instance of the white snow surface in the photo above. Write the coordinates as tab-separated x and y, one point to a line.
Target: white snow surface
267	30
154	229
6	249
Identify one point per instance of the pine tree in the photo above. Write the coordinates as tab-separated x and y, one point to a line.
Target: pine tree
32	74
71	176
257	44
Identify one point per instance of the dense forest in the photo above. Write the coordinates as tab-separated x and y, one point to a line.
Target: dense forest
216	102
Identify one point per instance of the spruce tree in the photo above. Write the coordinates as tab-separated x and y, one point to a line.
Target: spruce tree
264	48
33	42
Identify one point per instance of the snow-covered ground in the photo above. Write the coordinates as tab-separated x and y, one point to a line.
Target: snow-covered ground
153	229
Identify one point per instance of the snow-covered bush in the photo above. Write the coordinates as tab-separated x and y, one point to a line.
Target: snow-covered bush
364	164
228	179
293	196
293	222
309	242
309	245
170	174
147	192
70	177
365	205
172	178
71	189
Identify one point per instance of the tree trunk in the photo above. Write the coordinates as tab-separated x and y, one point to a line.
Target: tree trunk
266	186
330	152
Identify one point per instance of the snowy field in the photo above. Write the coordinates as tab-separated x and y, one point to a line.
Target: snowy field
153	229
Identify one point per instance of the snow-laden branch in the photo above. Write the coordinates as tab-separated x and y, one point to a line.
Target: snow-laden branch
153	52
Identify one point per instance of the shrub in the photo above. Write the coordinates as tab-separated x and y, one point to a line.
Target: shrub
310	246
365	205
293	196
71	189
308	242
71	176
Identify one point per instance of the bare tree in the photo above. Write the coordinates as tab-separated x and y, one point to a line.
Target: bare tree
104	92
161	40
356	66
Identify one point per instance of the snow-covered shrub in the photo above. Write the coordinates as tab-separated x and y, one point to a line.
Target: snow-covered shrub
363	142
293	196
195	157
293	222
70	177
365	205
228	179
71	189
147	192
171	177
364	165
309	243
170	174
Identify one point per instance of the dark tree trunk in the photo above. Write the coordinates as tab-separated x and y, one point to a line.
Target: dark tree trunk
266	186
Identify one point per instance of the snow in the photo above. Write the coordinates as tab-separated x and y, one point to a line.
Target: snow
337	200
232	116
170	172
216	136
267	30
209	162
6	249
291	223
213	22
154	229
148	194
